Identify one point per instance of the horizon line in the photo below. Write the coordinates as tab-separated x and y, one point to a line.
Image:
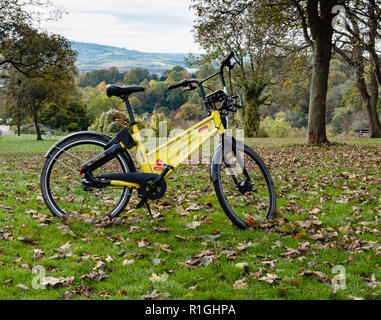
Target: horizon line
113	46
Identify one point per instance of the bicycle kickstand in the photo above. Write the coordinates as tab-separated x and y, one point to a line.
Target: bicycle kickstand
144	201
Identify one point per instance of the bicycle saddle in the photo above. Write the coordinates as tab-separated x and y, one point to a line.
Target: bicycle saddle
116	91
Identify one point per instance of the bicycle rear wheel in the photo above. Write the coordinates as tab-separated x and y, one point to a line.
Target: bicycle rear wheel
62	189
243	186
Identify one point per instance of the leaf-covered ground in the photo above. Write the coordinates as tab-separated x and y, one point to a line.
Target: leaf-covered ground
329	200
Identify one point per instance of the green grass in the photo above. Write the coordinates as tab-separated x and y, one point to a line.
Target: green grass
337	185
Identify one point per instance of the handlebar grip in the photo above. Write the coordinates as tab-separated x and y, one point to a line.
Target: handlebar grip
227	58
183	83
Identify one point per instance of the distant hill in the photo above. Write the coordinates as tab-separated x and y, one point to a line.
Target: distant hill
93	56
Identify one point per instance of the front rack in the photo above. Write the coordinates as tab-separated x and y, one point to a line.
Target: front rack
226	104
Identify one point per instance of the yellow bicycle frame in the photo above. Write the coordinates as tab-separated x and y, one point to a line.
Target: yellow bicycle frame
176	150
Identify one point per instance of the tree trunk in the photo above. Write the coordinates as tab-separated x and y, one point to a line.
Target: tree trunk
368	98
18	129
320	16
318	92
37	125
371	108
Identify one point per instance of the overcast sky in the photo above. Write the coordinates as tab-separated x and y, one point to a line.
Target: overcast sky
144	25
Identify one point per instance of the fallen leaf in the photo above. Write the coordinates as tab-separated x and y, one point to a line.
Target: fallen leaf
290	253
64	229
256	274
83	291
65	247
99	265
156	278
242	265
242	246
100	275
109	259
270	278
322	277
54	282
37	254
154	295
241	284
21	286
192	225
194	207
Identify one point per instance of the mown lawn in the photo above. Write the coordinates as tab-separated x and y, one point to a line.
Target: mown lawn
329	200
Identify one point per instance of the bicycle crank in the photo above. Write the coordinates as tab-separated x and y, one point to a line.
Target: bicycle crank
152	186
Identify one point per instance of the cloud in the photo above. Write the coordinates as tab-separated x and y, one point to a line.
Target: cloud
145	25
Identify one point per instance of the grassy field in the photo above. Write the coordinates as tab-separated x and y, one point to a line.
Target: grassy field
330	212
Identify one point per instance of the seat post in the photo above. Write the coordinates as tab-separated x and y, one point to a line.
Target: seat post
129	110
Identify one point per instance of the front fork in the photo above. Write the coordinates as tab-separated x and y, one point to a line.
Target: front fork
229	144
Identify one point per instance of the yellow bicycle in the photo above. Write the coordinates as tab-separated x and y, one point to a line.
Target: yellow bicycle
90	173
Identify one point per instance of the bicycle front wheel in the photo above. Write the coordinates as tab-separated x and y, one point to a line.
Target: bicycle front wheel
61	185
244	187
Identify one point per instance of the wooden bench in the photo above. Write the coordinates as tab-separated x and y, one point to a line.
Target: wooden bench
362	131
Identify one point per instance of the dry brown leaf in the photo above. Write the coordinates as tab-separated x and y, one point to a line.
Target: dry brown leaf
241	284
65	229
54	282
154	295
100	275
22	287
159	278
37	254
270	278
256	274
320	275
290	253
192	225
65	247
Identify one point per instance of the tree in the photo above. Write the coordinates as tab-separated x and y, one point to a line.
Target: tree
23	47
189	112
97	103
69	117
38	93
45	81
310	19
223	26
177	74
13	101
94	77
254	99
136	76
356	44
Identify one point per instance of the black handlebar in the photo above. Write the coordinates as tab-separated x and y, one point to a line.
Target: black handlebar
230	105
226	61
182	83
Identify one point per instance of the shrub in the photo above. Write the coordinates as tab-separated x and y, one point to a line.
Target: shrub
341	120
30	128
278	128
155	123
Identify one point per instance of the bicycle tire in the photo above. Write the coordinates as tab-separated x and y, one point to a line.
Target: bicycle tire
123	158
231	214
